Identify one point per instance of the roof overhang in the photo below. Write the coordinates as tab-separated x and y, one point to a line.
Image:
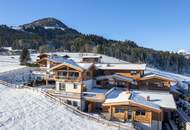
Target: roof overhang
66	64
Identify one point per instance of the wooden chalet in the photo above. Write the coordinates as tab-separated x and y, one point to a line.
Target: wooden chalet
146	108
72	79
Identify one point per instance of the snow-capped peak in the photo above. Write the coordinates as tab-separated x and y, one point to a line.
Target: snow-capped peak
183	51
51	27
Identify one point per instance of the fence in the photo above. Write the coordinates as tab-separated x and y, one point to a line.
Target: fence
8	84
72	108
83	114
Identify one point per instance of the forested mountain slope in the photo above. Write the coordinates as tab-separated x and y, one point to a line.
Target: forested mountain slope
50	34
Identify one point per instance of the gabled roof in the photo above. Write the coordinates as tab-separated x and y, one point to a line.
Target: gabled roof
41	60
126	66
43	55
153	75
157	99
72	64
117	96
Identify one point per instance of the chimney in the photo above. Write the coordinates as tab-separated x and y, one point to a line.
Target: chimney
108	65
148	98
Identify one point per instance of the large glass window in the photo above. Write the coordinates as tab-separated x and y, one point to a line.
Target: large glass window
119	110
140	112
73	75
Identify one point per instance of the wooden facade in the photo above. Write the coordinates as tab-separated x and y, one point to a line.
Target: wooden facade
132	112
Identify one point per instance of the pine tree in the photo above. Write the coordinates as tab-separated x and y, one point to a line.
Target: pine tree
25	57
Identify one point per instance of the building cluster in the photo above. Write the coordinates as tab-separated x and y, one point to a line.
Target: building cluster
117	91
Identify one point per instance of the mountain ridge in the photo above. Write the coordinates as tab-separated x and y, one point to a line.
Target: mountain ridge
50	34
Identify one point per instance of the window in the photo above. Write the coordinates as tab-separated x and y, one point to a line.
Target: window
140	112
75	103
62	86
133	72
73	75
75	86
69	102
119	110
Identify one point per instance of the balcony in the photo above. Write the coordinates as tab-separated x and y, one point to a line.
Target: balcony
67	78
94	97
63	94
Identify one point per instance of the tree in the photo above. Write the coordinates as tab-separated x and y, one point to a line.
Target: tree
25	57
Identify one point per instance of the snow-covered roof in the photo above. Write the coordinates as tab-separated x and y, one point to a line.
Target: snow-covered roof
95	56
97	90
154	75
126	66
115	76
157	99
123	78
143	101
63	61
85	66
117	96
58	60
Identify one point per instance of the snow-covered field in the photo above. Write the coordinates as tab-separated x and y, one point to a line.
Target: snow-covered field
23	109
8	63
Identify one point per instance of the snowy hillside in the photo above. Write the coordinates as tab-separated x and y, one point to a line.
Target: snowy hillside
8	63
24	109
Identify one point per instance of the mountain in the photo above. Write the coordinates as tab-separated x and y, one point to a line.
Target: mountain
46	22
50	34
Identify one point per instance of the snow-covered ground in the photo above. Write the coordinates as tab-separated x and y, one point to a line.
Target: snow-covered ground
8	63
77	57
23	109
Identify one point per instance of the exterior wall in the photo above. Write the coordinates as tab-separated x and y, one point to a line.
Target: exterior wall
154	84
128	73
69	87
134	112
89	84
71	101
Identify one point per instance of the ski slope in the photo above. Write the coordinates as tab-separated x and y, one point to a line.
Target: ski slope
23	109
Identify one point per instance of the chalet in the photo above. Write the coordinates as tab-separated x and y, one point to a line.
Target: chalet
123	75
130	70
72	79
42	60
145	108
153	81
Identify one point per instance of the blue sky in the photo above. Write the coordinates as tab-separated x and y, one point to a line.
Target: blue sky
158	24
